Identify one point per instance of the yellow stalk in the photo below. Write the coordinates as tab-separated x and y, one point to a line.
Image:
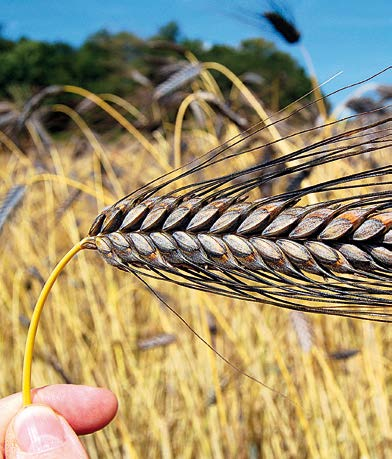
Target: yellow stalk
122	121
12	147
178	128
316	87
345	407
253	102
68	181
79	121
124	104
209	81
29	349
214	371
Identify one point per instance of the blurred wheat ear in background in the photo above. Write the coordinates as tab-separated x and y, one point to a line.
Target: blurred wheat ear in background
283	26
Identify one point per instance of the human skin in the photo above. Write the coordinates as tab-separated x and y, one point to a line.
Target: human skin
49	428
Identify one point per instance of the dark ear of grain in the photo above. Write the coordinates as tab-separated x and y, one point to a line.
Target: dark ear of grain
344	354
10	202
283	26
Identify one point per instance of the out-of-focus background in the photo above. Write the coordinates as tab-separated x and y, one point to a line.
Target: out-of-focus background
99	98
341	36
351	37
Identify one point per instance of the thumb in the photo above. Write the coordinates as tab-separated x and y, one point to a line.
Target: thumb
38	432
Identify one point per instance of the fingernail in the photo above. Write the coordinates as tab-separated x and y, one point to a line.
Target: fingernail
37	428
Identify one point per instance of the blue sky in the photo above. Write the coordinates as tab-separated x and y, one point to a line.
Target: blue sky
352	36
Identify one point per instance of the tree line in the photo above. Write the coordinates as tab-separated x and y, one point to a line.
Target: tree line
107	62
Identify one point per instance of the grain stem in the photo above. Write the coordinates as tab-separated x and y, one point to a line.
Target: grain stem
28	355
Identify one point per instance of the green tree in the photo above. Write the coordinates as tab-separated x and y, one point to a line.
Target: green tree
169	32
36	64
105	61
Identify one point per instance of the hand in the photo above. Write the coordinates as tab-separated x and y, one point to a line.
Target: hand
48	428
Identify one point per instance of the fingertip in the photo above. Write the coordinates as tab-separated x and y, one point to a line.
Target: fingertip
87	409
